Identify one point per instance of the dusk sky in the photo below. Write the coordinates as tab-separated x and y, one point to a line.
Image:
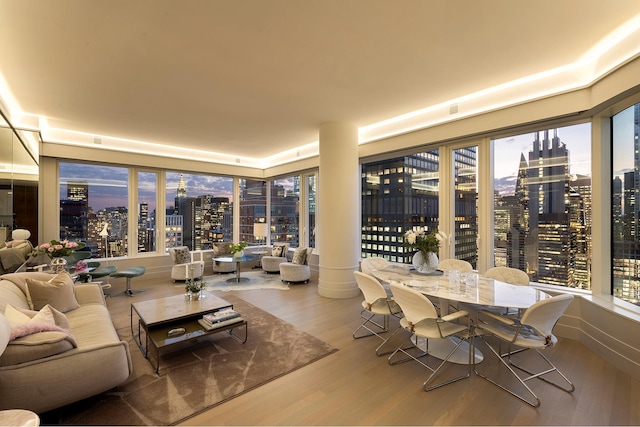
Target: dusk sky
108	185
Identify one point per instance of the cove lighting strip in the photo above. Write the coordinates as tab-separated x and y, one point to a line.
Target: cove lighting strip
617	48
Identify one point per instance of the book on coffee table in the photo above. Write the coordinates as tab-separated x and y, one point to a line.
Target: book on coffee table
210	326
221	315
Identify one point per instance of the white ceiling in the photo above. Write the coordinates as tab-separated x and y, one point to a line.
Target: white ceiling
257	77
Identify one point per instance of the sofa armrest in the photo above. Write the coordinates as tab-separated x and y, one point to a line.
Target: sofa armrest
89	293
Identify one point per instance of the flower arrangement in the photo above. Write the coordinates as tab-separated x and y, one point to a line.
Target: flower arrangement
238	247
425	243
56	249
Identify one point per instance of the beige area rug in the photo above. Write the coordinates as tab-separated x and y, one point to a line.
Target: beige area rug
199	376
258	279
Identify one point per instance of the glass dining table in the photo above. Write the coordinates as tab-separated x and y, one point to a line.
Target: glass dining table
483	291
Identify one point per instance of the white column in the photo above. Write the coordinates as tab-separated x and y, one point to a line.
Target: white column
338	233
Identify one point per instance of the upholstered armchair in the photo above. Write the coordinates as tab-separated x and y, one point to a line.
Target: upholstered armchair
222	249
184	266
297	271
271	263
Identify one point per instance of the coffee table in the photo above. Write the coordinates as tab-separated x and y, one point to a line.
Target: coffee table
237	260
158	316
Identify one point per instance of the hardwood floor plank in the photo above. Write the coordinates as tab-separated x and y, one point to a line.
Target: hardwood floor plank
355	387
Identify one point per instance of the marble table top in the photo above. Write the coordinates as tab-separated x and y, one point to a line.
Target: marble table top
485	291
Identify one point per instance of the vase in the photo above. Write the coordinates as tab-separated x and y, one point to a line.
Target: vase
425	266
238	255
58	264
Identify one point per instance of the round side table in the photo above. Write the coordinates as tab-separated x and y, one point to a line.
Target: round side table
19	417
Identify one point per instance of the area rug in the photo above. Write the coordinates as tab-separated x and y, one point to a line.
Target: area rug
199	376
257	280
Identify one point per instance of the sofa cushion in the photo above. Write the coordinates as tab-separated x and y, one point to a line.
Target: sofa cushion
58	292
36	334
300	256
35	346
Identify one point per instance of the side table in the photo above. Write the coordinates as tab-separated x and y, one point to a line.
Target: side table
19	417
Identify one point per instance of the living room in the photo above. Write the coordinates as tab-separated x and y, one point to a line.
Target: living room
344	140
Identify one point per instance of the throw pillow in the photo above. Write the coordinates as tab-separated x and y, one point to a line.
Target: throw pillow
182	256
5	332
300	256
58	292
277	250
13	315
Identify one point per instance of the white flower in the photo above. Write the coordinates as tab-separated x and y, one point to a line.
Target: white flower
411	238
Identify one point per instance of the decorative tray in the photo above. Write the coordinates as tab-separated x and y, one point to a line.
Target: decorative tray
435	273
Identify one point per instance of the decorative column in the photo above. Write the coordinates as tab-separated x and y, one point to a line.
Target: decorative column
338	239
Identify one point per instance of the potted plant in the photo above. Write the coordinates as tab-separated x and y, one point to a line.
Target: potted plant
194	289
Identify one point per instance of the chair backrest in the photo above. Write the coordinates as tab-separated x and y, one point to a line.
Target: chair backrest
543	315
20	234
414	305
369	264
370	287
455	264
508	275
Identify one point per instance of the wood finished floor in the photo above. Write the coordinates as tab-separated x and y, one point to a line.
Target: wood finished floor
354	387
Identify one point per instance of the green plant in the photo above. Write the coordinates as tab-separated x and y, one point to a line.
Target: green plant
238	247
194	286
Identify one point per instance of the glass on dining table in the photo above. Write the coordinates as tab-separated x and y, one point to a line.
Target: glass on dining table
471	278
454	277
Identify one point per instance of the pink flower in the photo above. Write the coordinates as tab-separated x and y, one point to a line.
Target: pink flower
57	247
45	246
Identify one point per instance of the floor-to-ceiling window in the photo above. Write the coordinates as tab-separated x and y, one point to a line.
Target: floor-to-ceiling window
465	178
311	208
542	204
398	194
94	207
198	210
285	219
253	211
625	204
147	212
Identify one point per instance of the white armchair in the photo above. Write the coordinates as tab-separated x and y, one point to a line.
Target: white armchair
297	271
184	266
271	263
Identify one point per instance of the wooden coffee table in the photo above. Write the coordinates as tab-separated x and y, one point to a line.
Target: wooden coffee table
159	316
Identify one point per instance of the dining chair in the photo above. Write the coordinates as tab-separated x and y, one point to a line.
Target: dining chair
376	303
367	265
508	275
421	320
533	331
455	264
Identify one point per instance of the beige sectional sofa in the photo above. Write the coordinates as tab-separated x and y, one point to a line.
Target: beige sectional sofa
48	369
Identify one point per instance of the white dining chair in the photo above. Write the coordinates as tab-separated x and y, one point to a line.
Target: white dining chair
508	275
376	304
534	331
421	320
